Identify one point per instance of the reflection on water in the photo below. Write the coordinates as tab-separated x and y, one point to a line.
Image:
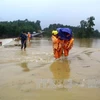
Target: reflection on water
60	70
84	42
42	42
23	53
35	42
87	43
24	66
29	44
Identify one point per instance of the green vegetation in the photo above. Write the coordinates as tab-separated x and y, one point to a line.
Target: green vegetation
14	28
84	30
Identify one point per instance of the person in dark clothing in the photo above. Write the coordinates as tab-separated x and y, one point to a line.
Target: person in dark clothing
23	38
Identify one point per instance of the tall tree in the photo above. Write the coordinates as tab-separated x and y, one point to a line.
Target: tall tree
38	26
90	24
83	25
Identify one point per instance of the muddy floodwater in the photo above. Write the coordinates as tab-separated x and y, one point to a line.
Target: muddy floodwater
34	74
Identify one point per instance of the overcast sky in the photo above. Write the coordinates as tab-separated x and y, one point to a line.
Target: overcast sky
67	12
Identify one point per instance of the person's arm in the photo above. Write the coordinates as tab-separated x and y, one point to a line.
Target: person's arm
70	43
54	39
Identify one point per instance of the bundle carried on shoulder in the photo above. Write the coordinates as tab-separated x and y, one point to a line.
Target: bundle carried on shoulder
64	33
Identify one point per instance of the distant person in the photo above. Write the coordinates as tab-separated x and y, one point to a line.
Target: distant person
23	37
29	36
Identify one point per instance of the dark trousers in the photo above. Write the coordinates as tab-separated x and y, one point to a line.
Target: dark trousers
23	44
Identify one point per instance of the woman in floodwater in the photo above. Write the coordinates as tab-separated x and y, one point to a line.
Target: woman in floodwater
62	42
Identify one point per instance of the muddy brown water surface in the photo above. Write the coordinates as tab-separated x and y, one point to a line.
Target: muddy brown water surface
34	74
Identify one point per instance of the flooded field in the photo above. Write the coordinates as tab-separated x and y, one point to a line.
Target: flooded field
34	74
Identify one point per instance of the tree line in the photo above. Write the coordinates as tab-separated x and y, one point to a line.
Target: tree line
84	30
14	28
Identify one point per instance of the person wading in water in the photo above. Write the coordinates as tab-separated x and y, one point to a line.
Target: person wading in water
23	38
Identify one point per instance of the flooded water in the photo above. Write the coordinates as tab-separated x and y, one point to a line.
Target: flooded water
89	43
34	74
